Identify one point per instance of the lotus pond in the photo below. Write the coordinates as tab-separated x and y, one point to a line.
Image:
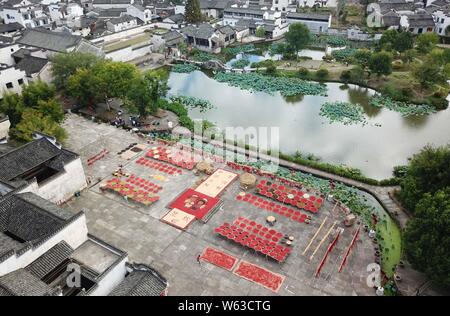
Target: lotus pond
387	140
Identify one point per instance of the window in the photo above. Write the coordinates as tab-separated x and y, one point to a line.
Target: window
12	50
9	85
20	82
440	30
442	20
419	31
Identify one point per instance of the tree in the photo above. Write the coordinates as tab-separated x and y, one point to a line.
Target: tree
428	171
51	108
399	41
426	42
298	37
260	32
35	121
427	236
12	105
341	13
357	74
192	11
66	65
82	86
381	63
113	79
36	91
429	73
362	57
322	74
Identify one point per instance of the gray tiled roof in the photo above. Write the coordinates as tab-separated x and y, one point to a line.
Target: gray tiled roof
216	4
112	2
142	281
421	20
172	38
21	160
32	65
54	41
322	17
122	19
50	260
204	31
11	27
28	216
23	283
176	18
26	219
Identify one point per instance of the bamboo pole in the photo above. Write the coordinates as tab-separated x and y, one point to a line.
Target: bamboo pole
315	235
323	240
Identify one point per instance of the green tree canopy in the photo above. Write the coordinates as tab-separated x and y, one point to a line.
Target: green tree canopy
65	65
381	63
35	121
428	171
36	91
429	72
51	108
193	13
427	237
399	41
426	42
12	105
260	32
298	37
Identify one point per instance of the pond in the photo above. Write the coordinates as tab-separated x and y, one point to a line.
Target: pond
372	148
314	54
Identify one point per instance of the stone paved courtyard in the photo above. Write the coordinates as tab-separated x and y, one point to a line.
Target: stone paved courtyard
139	231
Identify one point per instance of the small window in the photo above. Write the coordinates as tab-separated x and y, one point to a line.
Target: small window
20	81
9	85
12	50
440	30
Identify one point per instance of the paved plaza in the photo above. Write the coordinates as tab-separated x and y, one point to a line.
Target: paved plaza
173	252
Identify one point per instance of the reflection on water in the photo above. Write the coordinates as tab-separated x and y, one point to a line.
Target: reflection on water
375	150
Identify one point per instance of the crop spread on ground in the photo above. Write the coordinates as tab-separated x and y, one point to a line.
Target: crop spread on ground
358	202
264	83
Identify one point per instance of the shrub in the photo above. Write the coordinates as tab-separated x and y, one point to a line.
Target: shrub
346	76
322	74
271	69
303	73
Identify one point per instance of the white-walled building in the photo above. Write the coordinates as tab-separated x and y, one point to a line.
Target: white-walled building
317	23
442	22
111	4
12	79
44	168
122	23
418	23
30	16
139	12
46	250
4	127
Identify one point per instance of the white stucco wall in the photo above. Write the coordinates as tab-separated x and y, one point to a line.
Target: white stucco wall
62	187
123	34
12	75
128	53
6	52
75	234
4	128
111	280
